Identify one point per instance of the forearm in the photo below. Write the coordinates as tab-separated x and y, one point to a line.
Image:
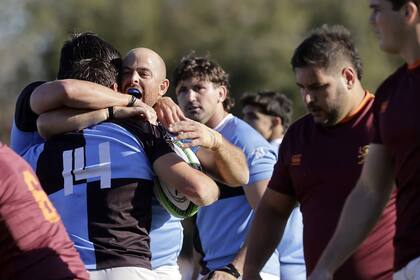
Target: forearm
65	120
231	164
75	94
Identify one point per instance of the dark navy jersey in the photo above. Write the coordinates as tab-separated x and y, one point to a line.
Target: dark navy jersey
100	180
24	131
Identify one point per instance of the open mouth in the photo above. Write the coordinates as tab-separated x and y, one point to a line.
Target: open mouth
135	91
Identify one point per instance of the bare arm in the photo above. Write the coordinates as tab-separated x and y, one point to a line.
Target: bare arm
75	94
266	231
361	211
195	185
66	119
218	156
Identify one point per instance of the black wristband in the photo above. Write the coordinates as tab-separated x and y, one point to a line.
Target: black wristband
132	101
110	113
230	268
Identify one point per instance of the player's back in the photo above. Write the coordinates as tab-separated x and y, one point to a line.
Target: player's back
100	180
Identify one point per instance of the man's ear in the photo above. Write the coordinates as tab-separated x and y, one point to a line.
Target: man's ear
114	87
163	87
275	121
222	91
349	76
411	12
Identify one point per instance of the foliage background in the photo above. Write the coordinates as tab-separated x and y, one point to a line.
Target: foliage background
253	40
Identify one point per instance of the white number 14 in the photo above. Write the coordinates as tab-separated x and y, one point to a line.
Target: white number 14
80	171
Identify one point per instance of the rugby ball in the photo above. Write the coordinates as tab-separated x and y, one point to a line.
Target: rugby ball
170	199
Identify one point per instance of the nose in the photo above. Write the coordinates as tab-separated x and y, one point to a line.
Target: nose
308	97
135	78
190	95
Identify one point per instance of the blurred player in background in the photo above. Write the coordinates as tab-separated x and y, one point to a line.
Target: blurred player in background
270	113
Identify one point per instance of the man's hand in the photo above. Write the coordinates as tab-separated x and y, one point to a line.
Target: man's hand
198	133
168	112
140	110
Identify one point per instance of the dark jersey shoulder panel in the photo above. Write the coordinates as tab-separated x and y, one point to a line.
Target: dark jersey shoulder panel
153	138
25	118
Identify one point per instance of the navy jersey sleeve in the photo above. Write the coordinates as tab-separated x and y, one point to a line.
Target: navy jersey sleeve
154	139
25	118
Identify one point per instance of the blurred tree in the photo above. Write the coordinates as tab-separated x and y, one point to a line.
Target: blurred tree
253	40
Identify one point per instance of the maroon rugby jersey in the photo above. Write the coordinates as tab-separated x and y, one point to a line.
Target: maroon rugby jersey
320	166
33	241
397	126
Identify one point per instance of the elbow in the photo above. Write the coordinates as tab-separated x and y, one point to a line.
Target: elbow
239	179
203	194
43	128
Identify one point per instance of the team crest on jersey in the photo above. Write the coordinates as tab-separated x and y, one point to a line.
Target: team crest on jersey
362	154
296	160
258	152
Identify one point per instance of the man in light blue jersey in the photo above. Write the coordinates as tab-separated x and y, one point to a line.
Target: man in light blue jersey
202	93
270	113
166	232
105	202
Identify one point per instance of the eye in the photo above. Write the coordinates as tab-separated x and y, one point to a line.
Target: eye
145	74
181	90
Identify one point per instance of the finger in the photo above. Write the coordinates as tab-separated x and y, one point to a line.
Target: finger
187	135
190	144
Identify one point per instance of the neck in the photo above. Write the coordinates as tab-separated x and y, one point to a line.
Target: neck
277	133
411	51
217	117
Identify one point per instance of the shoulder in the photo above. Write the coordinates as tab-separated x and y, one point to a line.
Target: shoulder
389	84
241	134
299	129
25	118
10	164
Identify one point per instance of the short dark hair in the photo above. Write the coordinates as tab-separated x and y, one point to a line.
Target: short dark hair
203	68
324	46
85	45
94	70
273	103
397	4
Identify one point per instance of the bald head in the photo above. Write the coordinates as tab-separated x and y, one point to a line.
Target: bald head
144	70
149	57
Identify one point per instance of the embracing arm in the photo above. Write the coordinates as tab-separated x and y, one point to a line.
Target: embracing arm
195	185
361	211
66	119
75	94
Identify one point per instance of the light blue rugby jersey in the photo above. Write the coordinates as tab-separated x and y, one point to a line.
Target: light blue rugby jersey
109	226
222	226
166	231
166	235
290	248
